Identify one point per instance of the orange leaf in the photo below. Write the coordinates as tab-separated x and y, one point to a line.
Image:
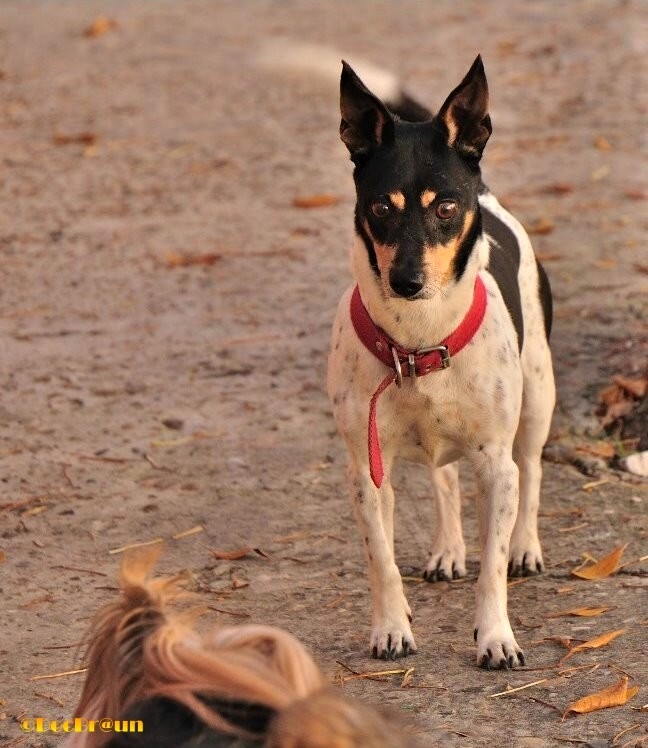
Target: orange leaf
615	695
232	555
637	387
580	612
599	641
100	26
316	201
603	568
177	260
541	226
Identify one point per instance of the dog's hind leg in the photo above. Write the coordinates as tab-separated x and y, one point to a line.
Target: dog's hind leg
525	554
391	634
448	557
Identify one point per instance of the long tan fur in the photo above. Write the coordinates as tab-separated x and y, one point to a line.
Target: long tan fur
138	650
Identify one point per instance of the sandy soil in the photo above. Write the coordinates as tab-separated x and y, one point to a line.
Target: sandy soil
164	321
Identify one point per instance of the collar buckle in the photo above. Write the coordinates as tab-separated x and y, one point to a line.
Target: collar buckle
442	350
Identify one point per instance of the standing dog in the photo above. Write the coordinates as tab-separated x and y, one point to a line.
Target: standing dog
440	351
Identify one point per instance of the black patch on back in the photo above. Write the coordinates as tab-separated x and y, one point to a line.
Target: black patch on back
503	265
546	300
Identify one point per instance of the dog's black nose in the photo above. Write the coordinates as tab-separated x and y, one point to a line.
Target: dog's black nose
406	285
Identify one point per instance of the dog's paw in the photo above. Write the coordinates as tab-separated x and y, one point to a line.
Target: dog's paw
525	558
446	564
391	642
498	650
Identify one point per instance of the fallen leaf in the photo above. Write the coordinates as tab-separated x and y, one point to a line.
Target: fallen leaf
603	568
3	557
316	201
598	641
558	188
100	26
615	695
600	448
540	226
599	173
548	256
637	387
586	612
636	194
238	584
602	144
80	138
232	555
641	267
178	260
604	264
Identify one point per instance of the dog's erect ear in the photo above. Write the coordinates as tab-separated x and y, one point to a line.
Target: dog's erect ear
465	113
366	121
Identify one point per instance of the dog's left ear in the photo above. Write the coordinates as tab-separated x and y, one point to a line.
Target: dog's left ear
465	113
366	121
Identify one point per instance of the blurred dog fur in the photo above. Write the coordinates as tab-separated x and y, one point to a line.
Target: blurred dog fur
237	686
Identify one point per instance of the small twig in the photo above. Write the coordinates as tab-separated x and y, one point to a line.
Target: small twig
547	704
69	480
78	568
229	612
186	533
58	675
154	465
62	646
49	697
100	458
135	545
519	688
623	732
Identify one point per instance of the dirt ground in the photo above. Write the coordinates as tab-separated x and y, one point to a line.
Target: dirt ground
164	320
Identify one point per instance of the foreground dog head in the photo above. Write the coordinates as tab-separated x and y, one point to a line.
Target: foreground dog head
417	183
240	686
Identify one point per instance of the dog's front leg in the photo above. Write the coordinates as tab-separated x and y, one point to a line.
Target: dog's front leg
391	634
497	504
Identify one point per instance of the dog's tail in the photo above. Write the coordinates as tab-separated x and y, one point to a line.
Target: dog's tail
324	64
251	682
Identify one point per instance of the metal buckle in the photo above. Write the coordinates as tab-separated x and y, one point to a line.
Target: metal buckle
443	351
397	366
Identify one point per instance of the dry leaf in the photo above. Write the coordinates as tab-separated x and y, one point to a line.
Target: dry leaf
615	695
541	226
637	387
604	264
602	144
3	556
558	188
100	26
586	612
599	641
232	555
636	194
238	584
178	260
603	568
80	138
316	201
600	448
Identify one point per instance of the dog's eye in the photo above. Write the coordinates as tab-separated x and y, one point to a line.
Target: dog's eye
380	208
446	209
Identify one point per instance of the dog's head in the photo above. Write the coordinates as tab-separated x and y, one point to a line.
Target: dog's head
417	183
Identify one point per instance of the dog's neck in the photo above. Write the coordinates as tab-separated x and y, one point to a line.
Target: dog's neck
419	323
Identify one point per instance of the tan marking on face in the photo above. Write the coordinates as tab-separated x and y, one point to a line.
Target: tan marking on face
438	260
384	254
397	200
427	198
451	124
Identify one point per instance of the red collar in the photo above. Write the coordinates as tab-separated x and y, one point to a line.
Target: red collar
408	363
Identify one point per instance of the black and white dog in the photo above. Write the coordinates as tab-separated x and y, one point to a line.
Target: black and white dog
440	351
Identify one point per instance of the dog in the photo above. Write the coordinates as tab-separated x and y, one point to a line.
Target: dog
234	687
440	350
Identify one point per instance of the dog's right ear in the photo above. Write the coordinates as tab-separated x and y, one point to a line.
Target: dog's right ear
366	121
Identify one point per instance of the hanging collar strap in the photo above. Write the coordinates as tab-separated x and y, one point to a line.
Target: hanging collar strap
409	363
